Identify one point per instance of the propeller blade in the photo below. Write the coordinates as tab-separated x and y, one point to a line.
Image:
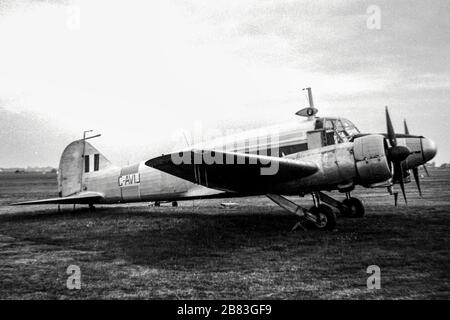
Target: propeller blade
390	130
398	171
426	170
416	177
406	127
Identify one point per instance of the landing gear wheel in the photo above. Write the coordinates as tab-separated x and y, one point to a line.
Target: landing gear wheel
326	219
174	204
355	208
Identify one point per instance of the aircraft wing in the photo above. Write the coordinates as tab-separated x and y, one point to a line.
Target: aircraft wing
242	174
84	197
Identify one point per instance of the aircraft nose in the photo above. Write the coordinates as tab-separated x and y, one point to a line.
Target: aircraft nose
429	149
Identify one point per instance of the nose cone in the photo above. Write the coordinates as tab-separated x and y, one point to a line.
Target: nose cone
429	149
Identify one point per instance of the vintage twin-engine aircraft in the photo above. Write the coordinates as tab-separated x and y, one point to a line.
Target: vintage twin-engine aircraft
311	155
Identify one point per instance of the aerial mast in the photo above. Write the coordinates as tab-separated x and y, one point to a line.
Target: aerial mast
310	98
310	111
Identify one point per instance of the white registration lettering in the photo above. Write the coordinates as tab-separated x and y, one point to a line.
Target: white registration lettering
129	179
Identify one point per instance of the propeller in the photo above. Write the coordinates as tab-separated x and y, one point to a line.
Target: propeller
426	170
416	177
396	154
414	170
406	126
398	176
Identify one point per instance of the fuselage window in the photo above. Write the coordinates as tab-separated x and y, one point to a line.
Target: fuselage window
86	163
96	161
286	150
265	152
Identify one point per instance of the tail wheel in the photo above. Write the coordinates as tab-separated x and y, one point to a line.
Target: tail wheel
355	208
326	219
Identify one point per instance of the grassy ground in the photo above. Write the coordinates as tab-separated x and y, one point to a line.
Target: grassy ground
200	250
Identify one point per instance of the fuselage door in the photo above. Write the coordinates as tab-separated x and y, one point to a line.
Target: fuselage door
129	181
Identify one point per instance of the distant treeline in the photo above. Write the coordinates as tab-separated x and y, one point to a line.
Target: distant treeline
28	169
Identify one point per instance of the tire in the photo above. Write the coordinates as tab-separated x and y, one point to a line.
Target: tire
174	204
326	216
356	208
343	211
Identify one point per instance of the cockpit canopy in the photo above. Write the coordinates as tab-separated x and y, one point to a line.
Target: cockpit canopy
337	130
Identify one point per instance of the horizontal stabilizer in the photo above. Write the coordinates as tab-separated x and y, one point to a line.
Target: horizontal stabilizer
81	198
233	172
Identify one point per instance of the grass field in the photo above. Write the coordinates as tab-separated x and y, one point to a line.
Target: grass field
200	250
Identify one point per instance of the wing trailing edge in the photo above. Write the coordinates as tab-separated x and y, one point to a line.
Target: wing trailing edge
81	198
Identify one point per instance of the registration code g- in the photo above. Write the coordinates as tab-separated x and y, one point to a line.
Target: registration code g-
129	179
256	309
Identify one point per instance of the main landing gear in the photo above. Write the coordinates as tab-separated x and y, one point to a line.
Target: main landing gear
321	215
350	207
325	217
353	208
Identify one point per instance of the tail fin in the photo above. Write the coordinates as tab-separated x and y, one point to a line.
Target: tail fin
78	159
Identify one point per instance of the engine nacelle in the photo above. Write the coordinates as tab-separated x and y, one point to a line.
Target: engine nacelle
372	164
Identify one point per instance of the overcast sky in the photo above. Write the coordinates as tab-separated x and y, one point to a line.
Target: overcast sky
140	71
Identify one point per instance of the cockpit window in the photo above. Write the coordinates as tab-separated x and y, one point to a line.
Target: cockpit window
330	124
336	130
349	127
319	124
